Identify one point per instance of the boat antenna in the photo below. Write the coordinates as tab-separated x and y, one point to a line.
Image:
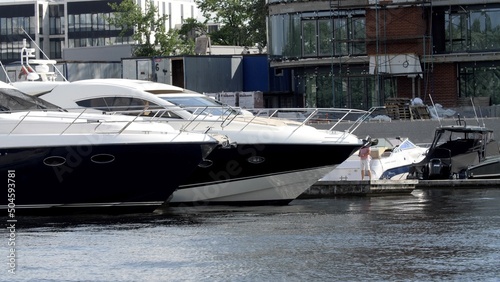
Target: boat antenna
482	117
43	53
460	121
432	102
475	113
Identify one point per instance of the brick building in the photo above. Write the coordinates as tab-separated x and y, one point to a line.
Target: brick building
358	53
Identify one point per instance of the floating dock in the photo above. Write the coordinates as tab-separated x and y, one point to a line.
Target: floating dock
458	184
359	188
324	189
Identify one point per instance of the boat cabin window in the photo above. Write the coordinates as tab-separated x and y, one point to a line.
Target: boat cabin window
127	105
447	136
15	100
201	105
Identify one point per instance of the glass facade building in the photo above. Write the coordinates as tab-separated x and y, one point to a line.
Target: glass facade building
13	20
356	54
55	25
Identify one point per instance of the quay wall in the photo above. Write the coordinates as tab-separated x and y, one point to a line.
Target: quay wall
418	131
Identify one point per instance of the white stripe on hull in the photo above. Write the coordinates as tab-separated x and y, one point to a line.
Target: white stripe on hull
88	205
287	186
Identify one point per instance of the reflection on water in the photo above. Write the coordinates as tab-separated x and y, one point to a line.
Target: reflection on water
428	235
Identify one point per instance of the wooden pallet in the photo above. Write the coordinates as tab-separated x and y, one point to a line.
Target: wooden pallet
398	108
420	112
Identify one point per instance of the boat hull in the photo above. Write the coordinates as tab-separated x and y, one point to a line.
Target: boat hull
266	174
126	177
488	169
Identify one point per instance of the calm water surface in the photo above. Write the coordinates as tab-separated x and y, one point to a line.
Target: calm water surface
443	235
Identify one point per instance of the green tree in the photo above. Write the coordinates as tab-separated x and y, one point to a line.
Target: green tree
243	22
192	28
257	23
148	29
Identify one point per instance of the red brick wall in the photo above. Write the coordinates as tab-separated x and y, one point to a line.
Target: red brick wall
400	30
443	85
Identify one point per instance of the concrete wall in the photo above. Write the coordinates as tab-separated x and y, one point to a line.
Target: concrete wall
111	53
418	131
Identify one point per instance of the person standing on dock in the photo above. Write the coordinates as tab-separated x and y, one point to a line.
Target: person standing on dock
364	155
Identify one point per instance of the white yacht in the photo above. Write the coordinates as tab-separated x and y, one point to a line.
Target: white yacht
58	161
265	161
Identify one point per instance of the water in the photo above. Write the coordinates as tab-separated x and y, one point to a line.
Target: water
441	235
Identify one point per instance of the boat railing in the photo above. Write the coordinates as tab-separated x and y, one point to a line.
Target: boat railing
117	124
330	117
225	115
204	118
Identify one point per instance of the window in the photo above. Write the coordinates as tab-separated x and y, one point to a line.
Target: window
472	30
134	106
317	34
56	48
340	36
56	19
309	42
480	81
325	37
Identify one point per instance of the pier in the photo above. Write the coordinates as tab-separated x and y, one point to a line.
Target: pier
324	189
359	188
458	184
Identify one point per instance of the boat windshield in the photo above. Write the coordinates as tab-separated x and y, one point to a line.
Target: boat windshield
12	99
395	144
406	145
452	135
201	105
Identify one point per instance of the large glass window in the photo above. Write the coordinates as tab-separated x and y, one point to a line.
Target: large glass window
324	90
309	41
101	22
292	35
358	35
93	29
457	36
56	19
276	35
285	33
480	81
340	36
325	37
11	36
317	34
40	18
472	30
56	48
3	26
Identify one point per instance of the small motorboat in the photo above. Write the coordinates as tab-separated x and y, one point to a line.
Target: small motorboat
453	150
489	168
391	158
